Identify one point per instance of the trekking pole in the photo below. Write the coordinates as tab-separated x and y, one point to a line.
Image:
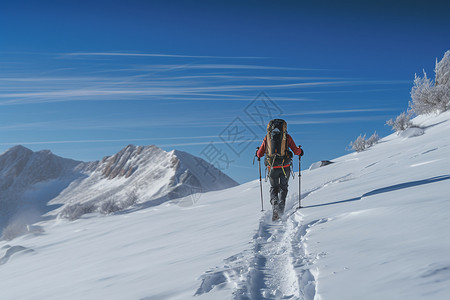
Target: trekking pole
260	184
299	183
260	178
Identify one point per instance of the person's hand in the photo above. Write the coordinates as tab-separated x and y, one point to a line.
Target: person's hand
301	154
256	154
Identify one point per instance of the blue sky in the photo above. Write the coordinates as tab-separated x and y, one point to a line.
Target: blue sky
86	78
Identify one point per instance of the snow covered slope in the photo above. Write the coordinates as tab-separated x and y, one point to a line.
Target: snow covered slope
379	219
374	225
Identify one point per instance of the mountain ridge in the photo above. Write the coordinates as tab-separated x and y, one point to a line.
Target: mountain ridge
149	173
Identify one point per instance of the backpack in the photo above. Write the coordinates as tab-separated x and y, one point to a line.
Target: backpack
277	149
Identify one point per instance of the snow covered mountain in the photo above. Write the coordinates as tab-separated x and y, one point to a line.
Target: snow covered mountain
374	225
23	171
146	176
142	175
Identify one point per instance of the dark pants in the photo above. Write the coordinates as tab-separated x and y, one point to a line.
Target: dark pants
279	187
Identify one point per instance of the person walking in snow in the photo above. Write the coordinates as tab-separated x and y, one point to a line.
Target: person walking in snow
275	147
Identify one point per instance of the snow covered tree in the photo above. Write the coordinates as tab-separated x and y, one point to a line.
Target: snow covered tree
131	199
442	70
359	144
374	138
110	206
400	123
74	212
421	95
429	97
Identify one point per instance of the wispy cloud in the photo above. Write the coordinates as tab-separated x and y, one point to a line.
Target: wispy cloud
153	141
131	54
338	111
257	77
168	82
340	120
204	139
216	142
160	90
26	126
220	67
120	123
355	90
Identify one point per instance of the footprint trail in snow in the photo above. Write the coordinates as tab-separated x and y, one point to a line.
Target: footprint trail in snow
276	267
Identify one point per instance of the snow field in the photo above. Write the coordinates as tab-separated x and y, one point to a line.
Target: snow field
374	225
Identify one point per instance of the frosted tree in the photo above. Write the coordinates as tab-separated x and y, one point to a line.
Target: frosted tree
441	90
422	102
374	138
442	70
429	97
400	123
359	144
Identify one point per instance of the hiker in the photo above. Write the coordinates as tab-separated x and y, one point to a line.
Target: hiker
275	147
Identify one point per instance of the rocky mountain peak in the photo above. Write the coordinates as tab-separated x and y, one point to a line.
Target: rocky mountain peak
129	159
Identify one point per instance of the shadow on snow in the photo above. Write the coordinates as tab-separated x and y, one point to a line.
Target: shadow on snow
391	188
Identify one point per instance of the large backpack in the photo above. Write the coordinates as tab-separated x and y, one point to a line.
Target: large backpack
277	149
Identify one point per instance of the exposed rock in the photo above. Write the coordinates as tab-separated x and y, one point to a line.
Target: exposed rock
320	164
